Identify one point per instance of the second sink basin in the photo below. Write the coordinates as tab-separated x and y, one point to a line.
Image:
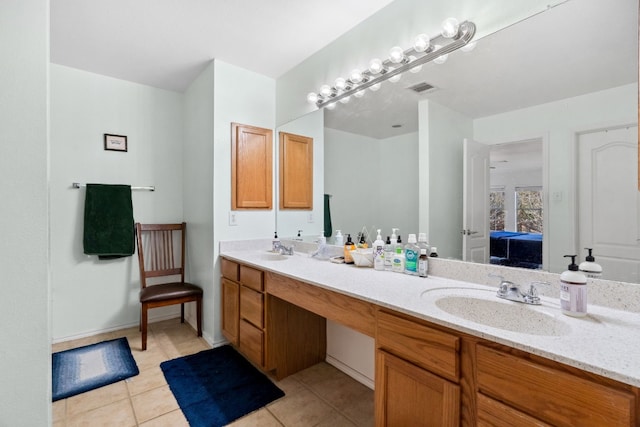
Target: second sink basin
499	314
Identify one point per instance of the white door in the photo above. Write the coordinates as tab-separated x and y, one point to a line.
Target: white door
475	193
608	201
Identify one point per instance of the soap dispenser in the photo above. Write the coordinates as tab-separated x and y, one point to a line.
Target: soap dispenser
378	253
348	247
275	244
573	290
339	240
388	254
589	267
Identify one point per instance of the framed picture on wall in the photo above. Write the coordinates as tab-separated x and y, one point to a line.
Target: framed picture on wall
115	142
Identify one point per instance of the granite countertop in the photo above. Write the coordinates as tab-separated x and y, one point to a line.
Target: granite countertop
605	342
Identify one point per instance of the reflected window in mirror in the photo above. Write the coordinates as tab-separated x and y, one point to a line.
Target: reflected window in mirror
529	209
496	206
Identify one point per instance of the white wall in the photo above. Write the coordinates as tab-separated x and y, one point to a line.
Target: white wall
90	295
561	120
290	221
25	358
244	97
442	132
374	182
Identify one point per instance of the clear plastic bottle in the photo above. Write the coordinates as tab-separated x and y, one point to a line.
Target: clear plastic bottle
411	255
423	263
422	242
397	264
339	239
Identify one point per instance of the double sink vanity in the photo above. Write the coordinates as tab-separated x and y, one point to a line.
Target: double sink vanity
447	352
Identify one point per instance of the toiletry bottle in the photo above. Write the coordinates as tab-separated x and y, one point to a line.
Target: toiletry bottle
397	265
573	290
388	254
348	247
275	245
422	242
411	254
589	267
378	253
434	252
423	263
339	240
362	243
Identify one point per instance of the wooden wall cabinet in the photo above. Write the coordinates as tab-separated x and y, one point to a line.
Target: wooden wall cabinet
251	167
296	171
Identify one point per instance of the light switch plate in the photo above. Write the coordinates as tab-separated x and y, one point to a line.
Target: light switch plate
233	218
310	217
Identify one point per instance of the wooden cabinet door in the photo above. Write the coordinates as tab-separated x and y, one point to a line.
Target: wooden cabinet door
407	395
251	167
296	171
230	310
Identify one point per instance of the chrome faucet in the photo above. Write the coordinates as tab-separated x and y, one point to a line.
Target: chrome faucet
511	291
283	249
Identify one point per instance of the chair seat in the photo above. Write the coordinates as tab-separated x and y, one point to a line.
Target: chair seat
167	291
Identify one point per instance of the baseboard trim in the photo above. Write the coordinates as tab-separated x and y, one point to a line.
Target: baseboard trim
361	378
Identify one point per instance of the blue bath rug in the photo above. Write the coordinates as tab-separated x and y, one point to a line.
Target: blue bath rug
86	368
215	387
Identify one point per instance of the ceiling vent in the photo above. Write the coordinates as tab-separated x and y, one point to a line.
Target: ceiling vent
422	87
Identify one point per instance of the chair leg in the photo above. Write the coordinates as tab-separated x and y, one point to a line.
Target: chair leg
143	326
199	315
182	313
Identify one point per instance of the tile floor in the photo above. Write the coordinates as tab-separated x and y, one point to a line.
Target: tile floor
318	396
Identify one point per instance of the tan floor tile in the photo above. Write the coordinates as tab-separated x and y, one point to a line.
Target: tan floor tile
334	419
116	414
261	418
193	347
147	380
318	373
342	391
153	403
172	419
150	358
300	409
59	410
96	398
290	385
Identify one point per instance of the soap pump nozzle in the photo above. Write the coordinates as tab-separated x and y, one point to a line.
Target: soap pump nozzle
573	266
590	257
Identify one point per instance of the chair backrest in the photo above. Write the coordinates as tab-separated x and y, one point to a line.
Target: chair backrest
161	249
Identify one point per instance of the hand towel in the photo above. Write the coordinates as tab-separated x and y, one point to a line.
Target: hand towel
108	221
328	229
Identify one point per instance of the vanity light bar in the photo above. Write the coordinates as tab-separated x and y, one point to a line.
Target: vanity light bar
410	59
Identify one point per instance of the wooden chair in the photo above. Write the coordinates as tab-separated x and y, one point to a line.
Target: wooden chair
156	246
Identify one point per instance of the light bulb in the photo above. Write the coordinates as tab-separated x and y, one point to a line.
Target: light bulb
355	76
421	43
375	66
359	94
325	90
450	28
375	87
396	54
340	83
417	68
468	47
312	97
442	58
395	78
345	99
331	106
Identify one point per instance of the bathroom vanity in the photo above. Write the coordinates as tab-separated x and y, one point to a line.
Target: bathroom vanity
435	364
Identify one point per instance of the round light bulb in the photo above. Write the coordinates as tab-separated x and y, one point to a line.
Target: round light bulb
375	87
442	58
395	78
421	43
331	106
325	90
345	99
355	76
417	68
375	66
396	54
468	47
450	28
359	94
340	83
312	98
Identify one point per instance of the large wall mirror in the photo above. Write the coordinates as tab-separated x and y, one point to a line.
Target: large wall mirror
555	98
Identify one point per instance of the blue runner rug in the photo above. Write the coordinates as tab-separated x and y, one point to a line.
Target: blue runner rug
215	387
86	368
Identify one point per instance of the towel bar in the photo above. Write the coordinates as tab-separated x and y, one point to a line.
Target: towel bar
148	188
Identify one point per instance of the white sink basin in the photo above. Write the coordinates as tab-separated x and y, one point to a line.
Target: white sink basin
483	307
273	256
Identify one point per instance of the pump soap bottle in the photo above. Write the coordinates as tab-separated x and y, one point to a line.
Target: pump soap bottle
573	290
348	247
388	254
339	240
589	267
378	253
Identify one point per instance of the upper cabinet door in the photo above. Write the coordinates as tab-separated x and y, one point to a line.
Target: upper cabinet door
251	167
296	171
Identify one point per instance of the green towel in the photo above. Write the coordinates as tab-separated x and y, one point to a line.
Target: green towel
108	221
328	229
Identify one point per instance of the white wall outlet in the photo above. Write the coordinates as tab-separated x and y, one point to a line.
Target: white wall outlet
233	218
310	217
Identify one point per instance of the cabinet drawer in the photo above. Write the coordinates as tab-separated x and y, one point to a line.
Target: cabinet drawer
230	269
251	277
251	306
555	396
252	342
430	348
492	413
